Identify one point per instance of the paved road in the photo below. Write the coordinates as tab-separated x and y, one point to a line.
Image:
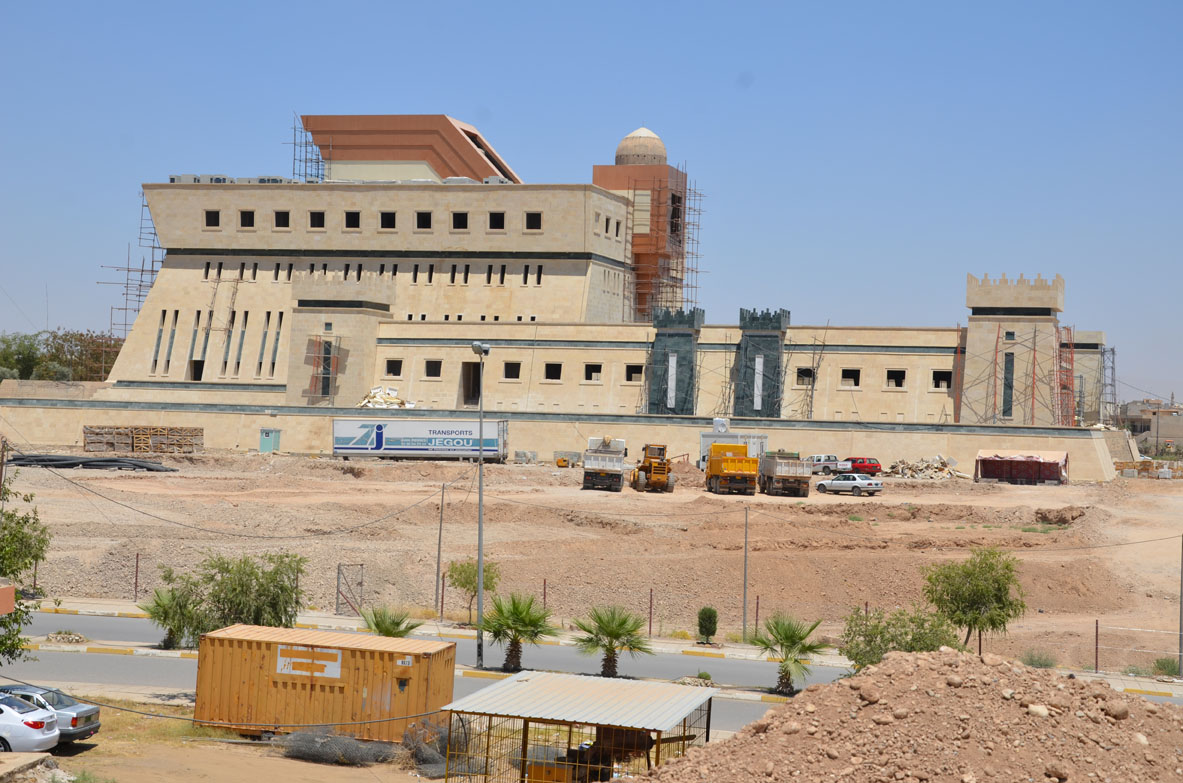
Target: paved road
726	671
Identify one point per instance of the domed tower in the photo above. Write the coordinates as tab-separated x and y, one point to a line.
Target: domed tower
663	240
642	147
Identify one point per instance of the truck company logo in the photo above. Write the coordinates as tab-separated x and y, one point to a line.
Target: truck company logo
370	437
310	661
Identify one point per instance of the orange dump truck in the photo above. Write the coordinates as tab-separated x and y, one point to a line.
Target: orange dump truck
730	469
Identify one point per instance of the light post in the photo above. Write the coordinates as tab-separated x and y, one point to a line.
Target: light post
481	350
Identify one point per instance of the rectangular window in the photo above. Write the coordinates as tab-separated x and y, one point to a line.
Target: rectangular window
1010	336
213	218
219	275
316	219
526	275
533	221
634	373
452	279
394	367
617	229
489	275
433	368
512	371
255	271
804	376
415	274
242	271
274	345
430	273
423	221
386	221
496	221
246	218
607	225
538	276
470	382
446	316
850	378
352	219
328	326
358	273
459	221
263	344
1008	385
207	270
942	379
275	277
466	274
283	219
896	378
553	371
290	266
591	372
501	280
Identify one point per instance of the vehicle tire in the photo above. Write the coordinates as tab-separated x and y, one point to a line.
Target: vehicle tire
826	470
4	746
821	488
669	484
639	483
856	491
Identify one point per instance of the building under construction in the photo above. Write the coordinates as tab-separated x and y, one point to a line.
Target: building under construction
271	304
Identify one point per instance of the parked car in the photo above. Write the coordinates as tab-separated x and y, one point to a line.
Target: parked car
854	483
868	465
26	728
76	721
827	464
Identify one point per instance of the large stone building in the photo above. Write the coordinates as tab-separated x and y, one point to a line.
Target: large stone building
280	303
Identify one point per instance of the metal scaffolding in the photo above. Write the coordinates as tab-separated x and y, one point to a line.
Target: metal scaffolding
666	255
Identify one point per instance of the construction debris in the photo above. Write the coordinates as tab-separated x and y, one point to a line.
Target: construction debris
925	468
130	440
384	398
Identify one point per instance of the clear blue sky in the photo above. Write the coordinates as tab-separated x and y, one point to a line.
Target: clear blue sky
858	158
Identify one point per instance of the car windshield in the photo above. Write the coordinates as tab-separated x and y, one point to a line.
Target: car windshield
58	700
16	705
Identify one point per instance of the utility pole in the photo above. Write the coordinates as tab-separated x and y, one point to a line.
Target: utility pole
745	573
3	461
481	350
439	546
1181	605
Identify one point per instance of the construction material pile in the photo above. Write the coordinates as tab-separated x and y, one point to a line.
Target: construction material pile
948	716
384	398
925	468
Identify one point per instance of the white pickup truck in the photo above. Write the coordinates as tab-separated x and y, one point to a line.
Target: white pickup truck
827	464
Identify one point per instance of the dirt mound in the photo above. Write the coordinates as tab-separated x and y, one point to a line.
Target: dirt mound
947	716
1060	516
688	475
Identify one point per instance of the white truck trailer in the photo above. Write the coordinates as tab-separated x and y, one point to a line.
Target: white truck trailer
421	438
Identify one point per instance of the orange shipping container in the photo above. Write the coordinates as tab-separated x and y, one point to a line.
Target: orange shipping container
256	679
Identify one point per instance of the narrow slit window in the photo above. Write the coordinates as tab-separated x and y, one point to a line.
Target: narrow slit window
501	280
466	274
538	276
526	275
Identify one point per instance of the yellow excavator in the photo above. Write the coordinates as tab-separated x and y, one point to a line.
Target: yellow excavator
652	473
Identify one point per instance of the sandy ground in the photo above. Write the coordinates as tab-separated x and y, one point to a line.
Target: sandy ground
155	762
816	558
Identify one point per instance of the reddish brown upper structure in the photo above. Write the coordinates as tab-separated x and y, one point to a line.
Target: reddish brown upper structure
451	147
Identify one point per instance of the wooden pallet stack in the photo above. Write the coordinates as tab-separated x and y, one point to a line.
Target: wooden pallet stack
143	440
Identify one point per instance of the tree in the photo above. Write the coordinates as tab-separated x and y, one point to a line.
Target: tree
21	352
24	541
7	373
609	631
787	638
515	621
388	622
980	594
51	371
708	623
868	636
223	592
462	575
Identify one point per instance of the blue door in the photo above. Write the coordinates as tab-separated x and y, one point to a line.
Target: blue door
268	441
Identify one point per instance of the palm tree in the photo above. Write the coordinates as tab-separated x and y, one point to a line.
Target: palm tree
611	630
388	622
787	638
515	621
164	610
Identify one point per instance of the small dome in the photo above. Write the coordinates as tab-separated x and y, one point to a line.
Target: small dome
642	147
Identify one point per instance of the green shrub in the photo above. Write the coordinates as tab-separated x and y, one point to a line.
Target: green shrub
867	637
735	637
462	575
708	623
1038	659
704	675
1166	667
1135	670
854	518
680	634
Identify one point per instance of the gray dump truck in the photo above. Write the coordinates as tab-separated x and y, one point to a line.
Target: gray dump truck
603	464
784	473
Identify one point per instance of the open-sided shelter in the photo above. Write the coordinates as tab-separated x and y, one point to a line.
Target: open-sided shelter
568	728
1022	467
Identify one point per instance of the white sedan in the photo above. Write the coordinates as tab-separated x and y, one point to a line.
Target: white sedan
854	483
25	728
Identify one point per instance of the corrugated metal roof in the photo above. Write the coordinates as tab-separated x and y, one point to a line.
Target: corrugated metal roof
314	638
575	698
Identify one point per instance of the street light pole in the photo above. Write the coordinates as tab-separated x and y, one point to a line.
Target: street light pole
745	573
481	350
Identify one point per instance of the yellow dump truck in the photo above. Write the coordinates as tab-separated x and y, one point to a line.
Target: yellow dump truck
730	469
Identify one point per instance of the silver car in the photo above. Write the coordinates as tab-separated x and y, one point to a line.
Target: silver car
25	728
854	483
76	721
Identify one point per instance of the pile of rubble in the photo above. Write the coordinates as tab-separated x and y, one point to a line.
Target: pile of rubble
948	716
384	398
926	468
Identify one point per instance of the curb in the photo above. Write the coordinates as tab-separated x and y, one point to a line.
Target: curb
145	652
91	612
